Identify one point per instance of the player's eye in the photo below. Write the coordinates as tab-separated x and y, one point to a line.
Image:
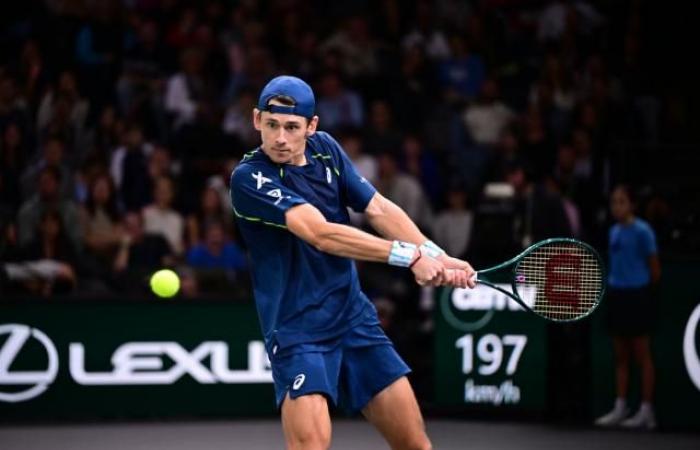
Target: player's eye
292	127
272	125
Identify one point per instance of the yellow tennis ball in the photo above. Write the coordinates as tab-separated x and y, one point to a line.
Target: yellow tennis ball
165	283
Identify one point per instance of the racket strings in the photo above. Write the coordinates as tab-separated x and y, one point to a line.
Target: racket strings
568	280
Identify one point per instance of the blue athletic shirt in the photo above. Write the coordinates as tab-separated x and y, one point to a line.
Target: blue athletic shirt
630	248
302	295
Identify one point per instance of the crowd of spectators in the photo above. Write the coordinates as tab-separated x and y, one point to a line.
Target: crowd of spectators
490	122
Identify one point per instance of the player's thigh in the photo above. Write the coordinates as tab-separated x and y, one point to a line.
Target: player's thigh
306	422
394	412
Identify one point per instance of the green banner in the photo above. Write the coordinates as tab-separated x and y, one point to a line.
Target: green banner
675	346
159	359
489	352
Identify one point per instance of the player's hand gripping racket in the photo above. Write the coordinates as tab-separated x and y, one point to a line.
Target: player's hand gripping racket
567	275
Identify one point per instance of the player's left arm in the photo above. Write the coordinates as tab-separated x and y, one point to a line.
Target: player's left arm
392	222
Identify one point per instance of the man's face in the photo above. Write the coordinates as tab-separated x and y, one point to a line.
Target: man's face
620	205
284	135
48	186
215	236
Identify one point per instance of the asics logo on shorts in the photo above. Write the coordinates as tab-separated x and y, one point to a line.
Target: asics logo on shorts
298	381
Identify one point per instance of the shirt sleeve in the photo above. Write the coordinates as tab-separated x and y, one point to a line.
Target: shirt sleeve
355	188
258	195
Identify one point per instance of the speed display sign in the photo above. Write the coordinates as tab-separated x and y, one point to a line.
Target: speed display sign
488	351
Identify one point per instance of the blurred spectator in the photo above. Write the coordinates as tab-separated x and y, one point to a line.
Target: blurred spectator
186	90
13	108
64	100
141	252
452	228
129	169
539	213
425	35
404	190
220	182
462	74
217	251
47	198
160	163
355	47
560	17
338	106
571	210
351	141
210	209
51	243
141	81
52	154
181	32
237	123
13	156
381	135
97	49
189	284
583	167
305	60
488	117
537	147
422	165
564	170
100	220
105	137
33	71
573	175
160	218
411	95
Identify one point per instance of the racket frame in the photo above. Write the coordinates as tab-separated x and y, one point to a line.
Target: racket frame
514	262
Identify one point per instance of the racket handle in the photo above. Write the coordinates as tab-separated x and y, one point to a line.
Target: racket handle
474	277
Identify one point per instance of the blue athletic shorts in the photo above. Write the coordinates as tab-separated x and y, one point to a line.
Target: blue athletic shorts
348	370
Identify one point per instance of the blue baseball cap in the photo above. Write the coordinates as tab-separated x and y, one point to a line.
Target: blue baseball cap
292	87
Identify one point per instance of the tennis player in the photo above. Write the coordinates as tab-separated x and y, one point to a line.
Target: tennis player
322	335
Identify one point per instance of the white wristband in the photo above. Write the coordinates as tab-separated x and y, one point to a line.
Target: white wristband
402	253
431	249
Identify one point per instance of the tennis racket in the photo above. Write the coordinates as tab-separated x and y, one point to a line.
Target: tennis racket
565	275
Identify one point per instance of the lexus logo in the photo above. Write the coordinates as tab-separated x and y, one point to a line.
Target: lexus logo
690	350
37	380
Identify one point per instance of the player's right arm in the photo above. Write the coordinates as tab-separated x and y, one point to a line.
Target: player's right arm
309	224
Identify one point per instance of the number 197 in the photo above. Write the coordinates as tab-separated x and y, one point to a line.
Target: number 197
489	352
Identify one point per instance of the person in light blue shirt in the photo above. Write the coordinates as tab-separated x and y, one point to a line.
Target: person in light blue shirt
291	197
633	268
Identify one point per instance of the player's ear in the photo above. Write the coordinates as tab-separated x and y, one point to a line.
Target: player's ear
257	118
311	127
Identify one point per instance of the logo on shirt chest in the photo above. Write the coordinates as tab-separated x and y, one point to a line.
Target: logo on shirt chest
260	179
328	175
